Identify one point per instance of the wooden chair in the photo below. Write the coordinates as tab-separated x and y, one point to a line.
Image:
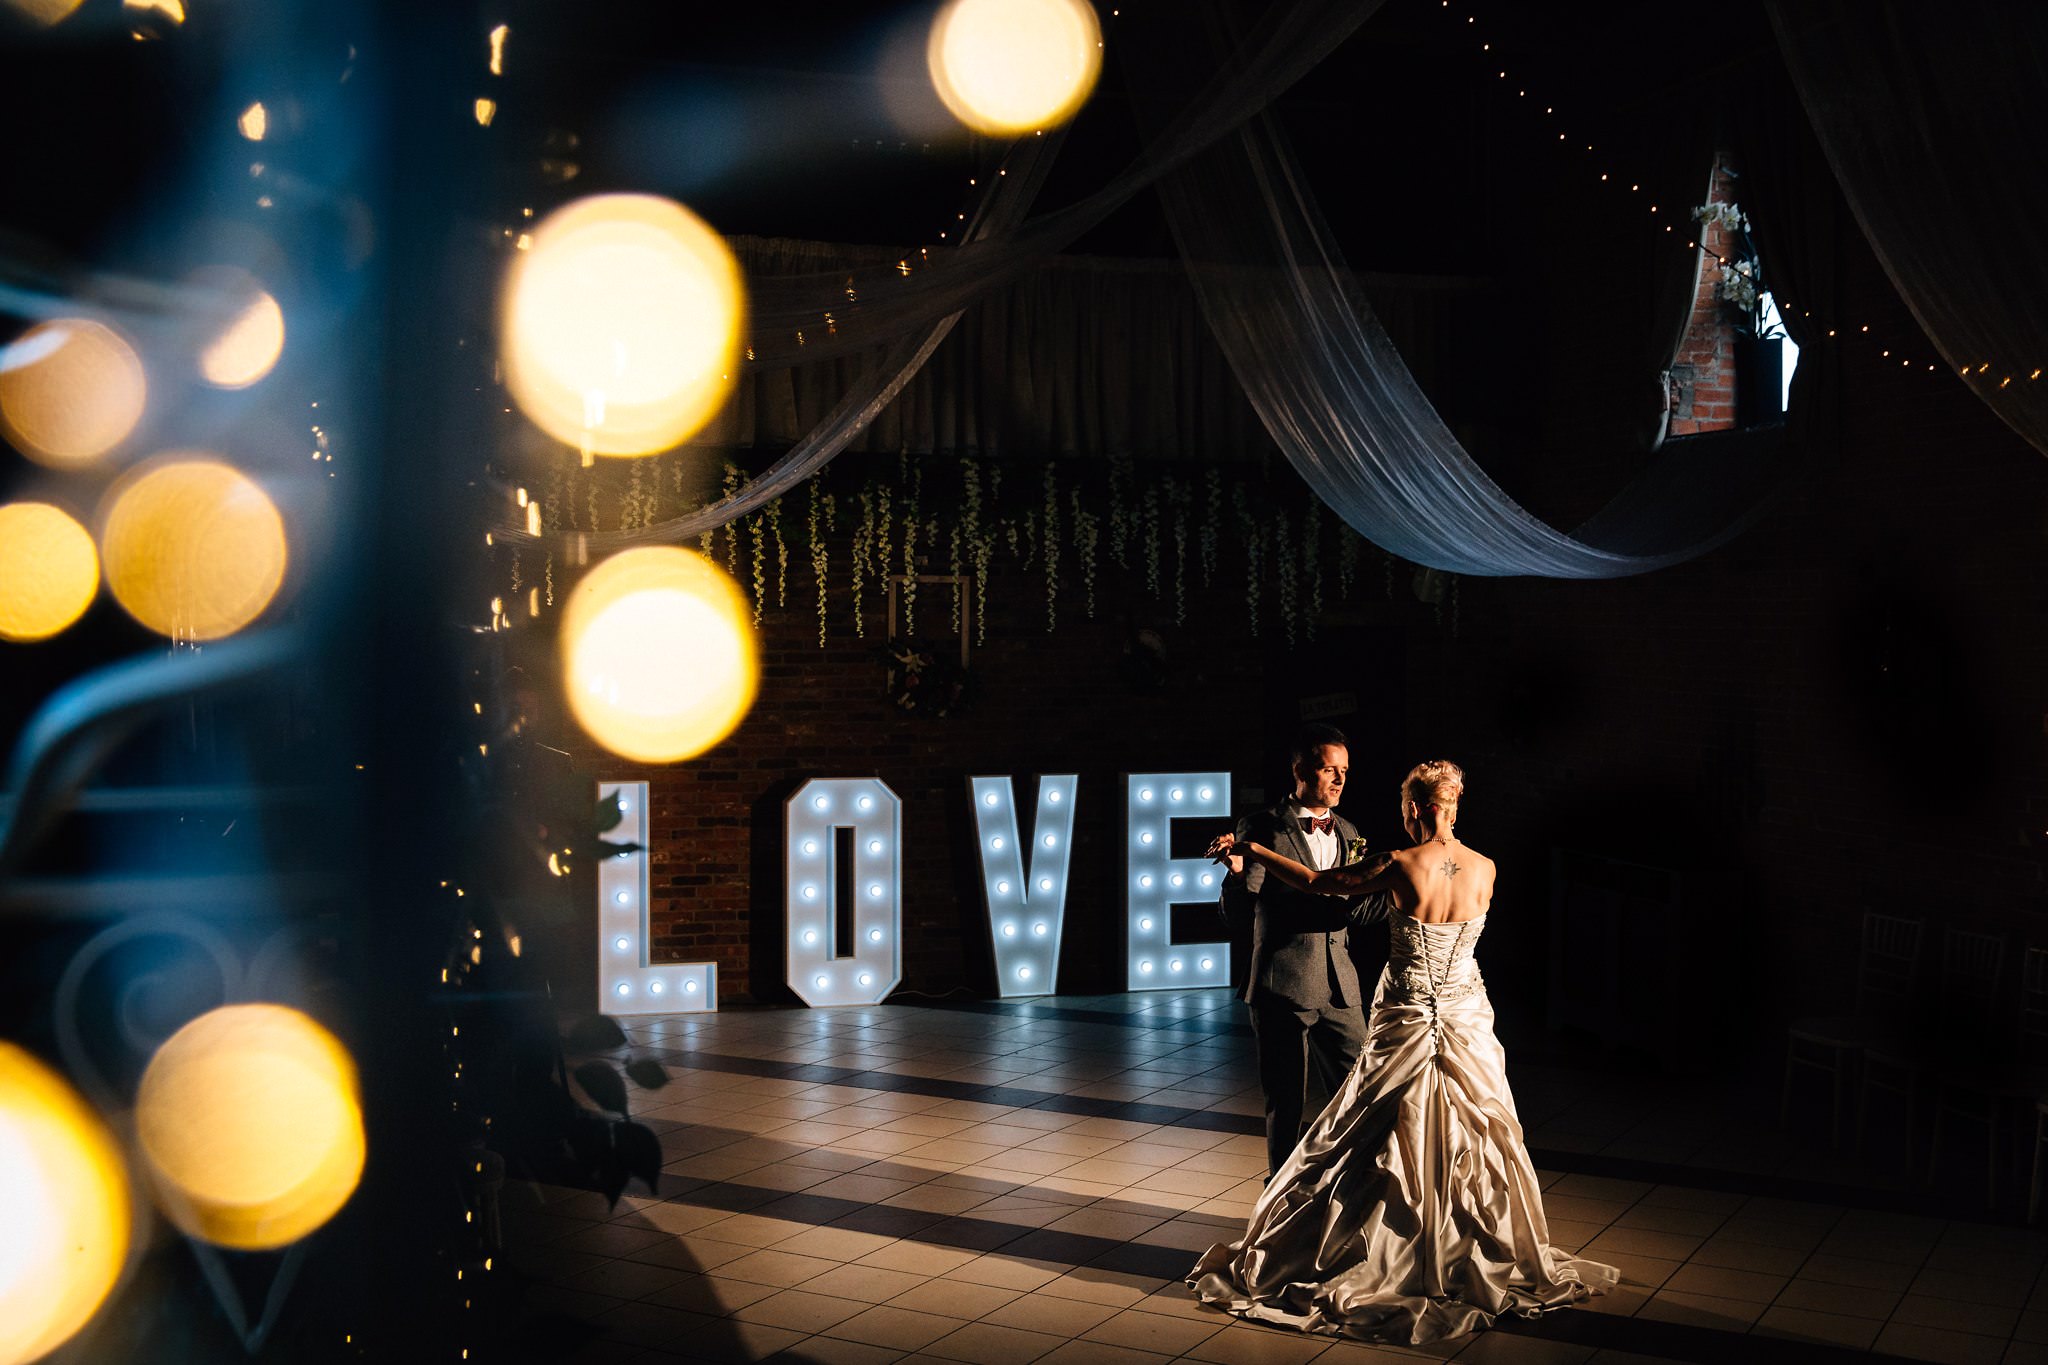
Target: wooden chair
1974	1079
1887	967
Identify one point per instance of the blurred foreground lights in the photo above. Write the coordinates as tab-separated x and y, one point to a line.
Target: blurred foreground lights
254	122
657	655
70	391
49	571
1011	66
64	1210
252	337
43	13
160	13
250	1123
193	548
621	324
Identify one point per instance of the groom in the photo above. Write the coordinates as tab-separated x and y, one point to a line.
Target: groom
1303	991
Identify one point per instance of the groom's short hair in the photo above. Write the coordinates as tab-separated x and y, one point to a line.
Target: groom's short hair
1309	743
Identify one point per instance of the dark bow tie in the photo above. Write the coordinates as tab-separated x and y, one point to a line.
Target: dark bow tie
1321	824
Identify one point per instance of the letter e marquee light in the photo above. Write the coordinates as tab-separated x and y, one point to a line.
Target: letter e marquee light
1025	909
628	981
1156	881
822	969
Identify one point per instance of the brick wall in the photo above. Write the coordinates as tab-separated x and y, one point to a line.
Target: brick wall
1703	373
1087	698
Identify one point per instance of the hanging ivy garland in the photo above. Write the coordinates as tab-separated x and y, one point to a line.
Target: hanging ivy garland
1148	521
1086	533
1294	553
1052	548
1179	495
1283	571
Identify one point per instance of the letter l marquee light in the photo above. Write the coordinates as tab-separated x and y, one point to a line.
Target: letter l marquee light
811	876
628	981
1156	881
1025	909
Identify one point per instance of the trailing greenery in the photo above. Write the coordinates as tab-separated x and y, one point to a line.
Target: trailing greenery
1231	526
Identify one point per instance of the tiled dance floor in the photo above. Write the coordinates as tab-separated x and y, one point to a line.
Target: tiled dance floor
1000	1184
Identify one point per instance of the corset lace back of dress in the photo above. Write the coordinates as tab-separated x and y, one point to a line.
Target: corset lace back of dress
1432	962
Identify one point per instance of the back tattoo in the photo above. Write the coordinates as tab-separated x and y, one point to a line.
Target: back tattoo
1450	868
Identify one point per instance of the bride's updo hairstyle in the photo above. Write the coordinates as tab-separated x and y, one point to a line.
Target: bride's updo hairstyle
1436	785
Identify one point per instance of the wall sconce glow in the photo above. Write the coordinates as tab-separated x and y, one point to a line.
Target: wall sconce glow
1157	880
1006	67
627	977
819	968
49	571
1020	959
658	655
250	1123
621	324
70	390
64	1203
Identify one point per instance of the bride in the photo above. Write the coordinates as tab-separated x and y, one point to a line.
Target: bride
1410	1211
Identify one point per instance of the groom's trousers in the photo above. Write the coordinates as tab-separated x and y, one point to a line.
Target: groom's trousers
1304	1055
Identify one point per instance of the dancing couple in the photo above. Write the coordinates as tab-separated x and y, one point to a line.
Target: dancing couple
1408	1211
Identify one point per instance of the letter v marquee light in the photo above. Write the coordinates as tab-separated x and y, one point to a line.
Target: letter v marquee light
1025	908
628	981
1157	881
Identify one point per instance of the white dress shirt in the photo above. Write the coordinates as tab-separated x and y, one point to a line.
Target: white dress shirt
1322	845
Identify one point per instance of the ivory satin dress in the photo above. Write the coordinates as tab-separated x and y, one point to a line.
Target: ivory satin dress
1410	1210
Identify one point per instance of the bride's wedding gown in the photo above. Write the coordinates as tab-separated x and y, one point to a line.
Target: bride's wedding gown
1410	1211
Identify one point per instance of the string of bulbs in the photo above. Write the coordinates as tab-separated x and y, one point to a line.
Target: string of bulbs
1696	242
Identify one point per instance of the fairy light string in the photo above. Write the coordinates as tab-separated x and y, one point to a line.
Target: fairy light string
1981	371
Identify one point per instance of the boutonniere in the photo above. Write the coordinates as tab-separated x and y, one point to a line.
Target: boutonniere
1354	851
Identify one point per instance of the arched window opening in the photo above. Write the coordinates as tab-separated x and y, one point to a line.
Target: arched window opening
1734	368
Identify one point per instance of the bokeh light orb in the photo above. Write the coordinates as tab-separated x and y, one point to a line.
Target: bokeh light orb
251	1126
49	570
1011	66
193	548
71	389
621	324
250	337
658	655
65	1216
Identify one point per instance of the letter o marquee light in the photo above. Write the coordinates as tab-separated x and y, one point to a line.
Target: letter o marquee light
816	970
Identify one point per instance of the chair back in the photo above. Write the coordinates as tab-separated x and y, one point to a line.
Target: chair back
2034	1001
1889	963
1970	964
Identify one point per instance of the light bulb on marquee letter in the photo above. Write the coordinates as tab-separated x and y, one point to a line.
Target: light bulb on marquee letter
628	981
1024	911
1155	881
873	966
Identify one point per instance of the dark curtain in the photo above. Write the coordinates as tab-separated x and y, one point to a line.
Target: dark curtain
1931	118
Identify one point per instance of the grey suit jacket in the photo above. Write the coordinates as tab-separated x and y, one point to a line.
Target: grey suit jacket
1300	942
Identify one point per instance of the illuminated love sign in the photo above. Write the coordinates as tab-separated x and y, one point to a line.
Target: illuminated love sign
1156	881
1025	905
842	900
628	981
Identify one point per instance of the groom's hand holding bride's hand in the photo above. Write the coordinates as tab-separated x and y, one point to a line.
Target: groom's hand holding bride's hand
1221	850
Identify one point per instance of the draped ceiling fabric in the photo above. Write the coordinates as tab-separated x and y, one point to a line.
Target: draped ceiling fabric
1348	414
895	314
1084	356
1931	117
1326	380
